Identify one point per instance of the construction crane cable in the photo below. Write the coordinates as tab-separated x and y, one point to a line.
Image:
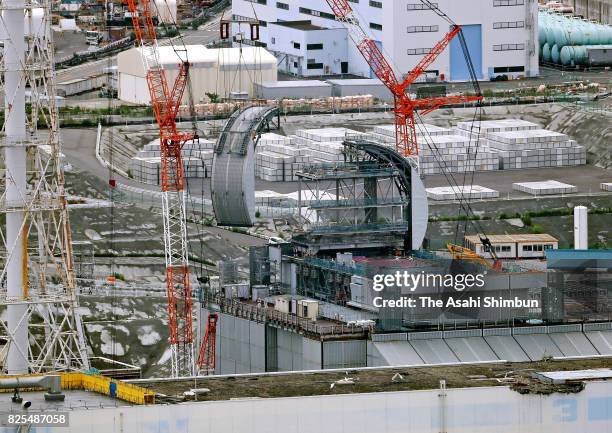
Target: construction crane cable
478	110
465	205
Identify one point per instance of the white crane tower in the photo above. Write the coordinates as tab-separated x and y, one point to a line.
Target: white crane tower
42	330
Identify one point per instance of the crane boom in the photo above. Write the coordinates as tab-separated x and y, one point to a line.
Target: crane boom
404	107
165	102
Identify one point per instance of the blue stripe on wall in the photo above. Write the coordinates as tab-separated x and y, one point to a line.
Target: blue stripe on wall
458	65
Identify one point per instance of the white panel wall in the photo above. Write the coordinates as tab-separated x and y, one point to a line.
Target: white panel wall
472	410
133	89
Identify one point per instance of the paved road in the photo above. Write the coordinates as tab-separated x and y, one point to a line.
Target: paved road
67	43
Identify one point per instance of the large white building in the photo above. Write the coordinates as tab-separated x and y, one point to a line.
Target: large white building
307	40
221	71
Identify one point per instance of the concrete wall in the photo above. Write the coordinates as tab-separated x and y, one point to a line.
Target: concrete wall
240	346
249	347
472	410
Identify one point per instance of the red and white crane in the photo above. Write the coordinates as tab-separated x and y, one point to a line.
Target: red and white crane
166	101
404	106
206	357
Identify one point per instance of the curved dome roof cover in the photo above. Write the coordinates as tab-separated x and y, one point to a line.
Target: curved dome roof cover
233	170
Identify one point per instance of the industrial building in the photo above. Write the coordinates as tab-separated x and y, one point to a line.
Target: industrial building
261	330
513	246
225	72
501	36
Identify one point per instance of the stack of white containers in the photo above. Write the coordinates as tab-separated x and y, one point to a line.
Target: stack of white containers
522	144
278	158
145	167
325	145
547	187
461	192
443	150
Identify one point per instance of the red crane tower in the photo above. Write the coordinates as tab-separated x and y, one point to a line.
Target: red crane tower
404	107
166	102
206	357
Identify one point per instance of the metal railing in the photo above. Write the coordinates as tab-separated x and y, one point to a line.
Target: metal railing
268	315
334	266
331	228
362	202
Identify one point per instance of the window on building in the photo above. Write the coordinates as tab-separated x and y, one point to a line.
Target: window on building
316	13
284	6
375	26
296	45
272	41
354	1
548	246
419	29
419	6
497	3
261	2
509	25
509	47
418	51
314	66
295	64
312	47
504	69
527	247
376	4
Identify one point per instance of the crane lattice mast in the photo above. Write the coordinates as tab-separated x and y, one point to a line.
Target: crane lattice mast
166	102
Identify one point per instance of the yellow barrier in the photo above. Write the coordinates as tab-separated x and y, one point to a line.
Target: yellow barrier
96	383
102	385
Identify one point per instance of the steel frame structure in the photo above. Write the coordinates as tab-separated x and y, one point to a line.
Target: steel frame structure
404	106
357	204
43	330
166	102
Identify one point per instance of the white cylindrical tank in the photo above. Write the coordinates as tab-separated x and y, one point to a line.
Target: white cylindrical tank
581	229
15	160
